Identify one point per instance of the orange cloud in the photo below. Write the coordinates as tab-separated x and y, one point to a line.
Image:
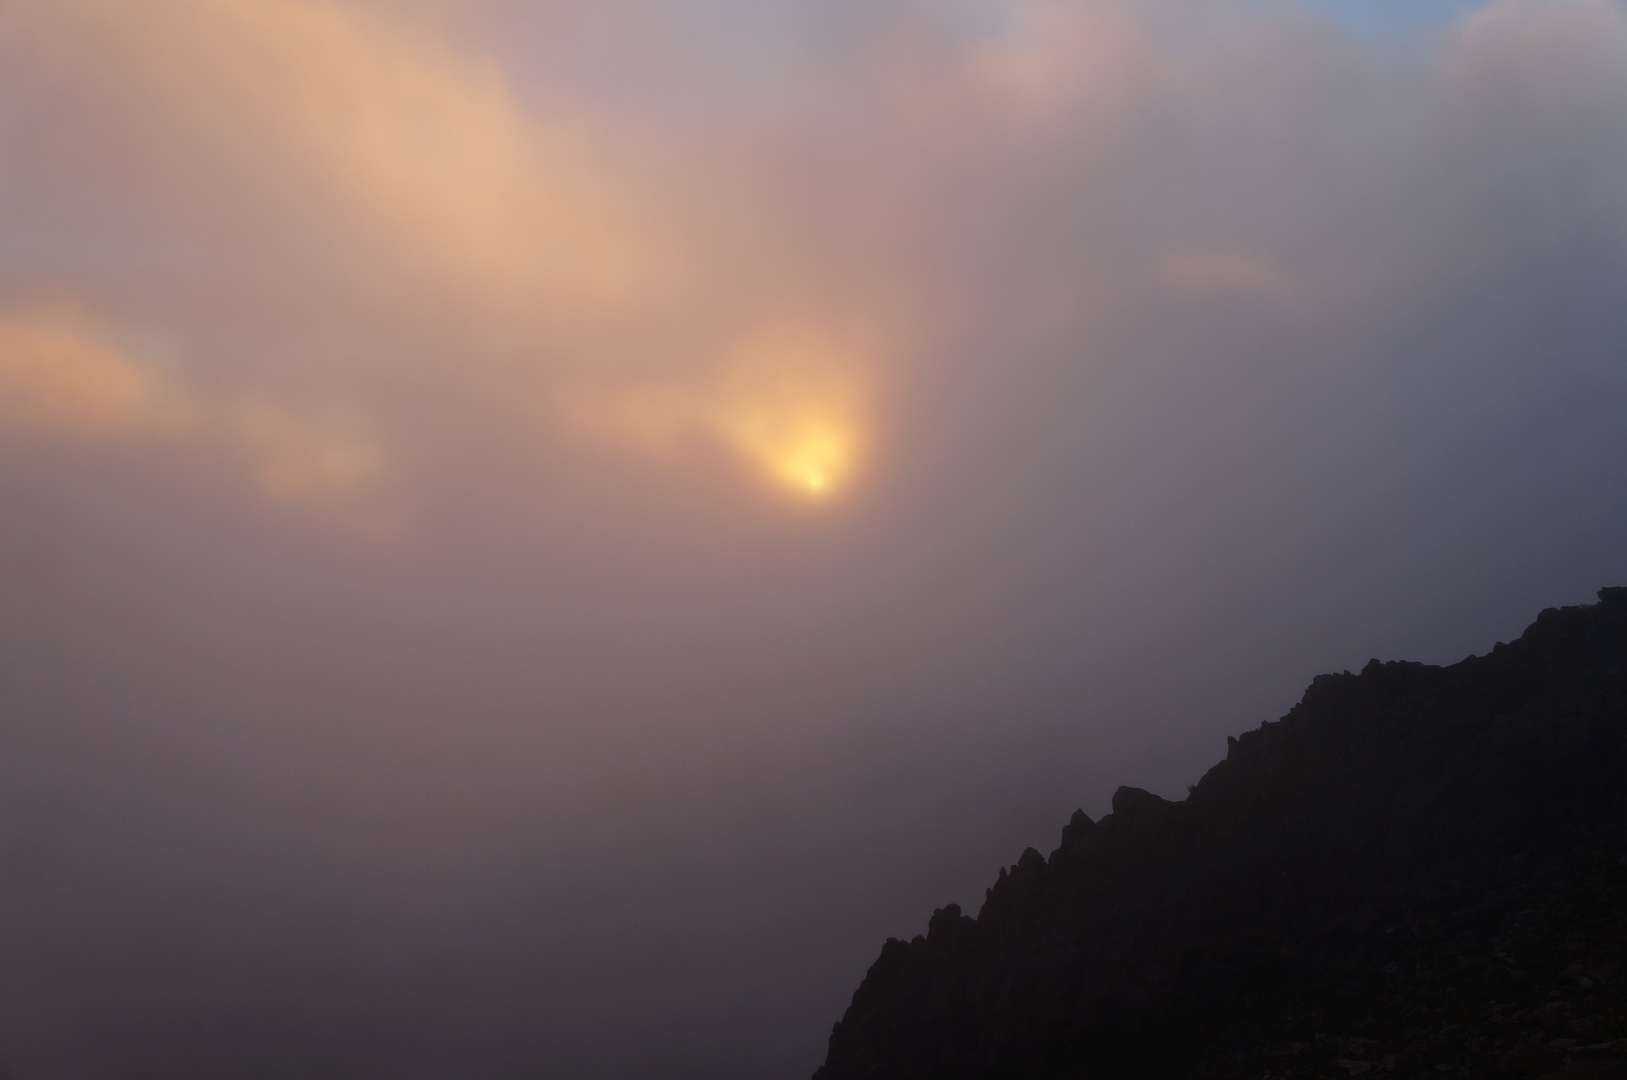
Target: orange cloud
61	374
337	125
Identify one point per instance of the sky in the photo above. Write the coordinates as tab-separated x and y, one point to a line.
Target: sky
534	536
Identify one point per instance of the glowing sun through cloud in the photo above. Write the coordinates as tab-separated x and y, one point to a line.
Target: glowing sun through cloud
792	403
789	401
804	449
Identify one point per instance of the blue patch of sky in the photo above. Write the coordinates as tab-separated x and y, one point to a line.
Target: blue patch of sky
1383	18
988	18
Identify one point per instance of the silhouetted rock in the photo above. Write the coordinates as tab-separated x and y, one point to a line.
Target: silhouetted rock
1416	871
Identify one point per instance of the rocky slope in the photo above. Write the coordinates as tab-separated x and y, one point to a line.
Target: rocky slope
1416	871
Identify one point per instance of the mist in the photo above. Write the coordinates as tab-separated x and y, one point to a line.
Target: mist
534	537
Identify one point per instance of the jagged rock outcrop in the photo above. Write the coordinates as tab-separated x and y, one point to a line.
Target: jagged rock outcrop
1346	873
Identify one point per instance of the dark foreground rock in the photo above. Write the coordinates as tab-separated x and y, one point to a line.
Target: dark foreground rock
1419	871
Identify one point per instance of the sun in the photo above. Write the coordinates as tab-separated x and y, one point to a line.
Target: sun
812	456
792	404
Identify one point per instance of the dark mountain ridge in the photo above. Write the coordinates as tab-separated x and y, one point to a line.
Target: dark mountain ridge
1413	872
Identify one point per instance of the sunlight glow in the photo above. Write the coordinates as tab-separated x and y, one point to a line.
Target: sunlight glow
788	401
808	449
793	403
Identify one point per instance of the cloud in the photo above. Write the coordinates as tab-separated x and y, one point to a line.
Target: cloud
1230	272
325	115
61	374
58	374
1548	54
273	162
825	443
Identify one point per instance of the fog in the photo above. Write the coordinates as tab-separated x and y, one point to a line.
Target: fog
534	536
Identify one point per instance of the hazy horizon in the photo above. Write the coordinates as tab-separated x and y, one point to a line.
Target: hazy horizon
534	536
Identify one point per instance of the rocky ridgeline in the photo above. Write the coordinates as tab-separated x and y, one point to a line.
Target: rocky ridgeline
1419	871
